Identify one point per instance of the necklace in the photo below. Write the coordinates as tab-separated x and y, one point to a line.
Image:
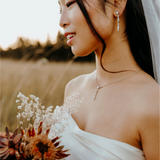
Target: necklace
99	87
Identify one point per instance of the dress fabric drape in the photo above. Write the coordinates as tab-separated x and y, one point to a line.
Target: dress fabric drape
88	146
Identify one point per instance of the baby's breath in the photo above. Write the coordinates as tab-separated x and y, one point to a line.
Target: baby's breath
62	114
30	109
27	108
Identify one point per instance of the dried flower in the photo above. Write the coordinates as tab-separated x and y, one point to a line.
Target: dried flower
19	107
17	101
33	111
59	119
9	143
39	146
40	141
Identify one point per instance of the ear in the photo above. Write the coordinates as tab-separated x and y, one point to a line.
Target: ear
119	6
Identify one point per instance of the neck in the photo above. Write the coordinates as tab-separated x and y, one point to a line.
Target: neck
117	57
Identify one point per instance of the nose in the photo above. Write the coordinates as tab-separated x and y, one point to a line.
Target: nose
64	21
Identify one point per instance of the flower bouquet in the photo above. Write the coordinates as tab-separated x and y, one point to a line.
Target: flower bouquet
40	129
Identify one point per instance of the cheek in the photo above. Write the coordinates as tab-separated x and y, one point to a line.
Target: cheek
84	45
84	42
103	22
107	29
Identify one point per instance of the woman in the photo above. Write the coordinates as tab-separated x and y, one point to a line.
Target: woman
119	115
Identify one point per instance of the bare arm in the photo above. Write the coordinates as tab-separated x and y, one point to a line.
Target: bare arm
150	132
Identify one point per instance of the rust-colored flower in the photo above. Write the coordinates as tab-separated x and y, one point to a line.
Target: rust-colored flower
3	134
9	143
39	146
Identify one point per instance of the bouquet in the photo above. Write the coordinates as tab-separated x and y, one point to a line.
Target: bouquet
40	129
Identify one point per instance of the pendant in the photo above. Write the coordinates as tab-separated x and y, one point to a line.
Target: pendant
98	87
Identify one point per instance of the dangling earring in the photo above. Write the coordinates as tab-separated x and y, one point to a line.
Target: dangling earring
117	20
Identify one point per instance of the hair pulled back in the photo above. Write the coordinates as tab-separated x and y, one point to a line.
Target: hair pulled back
136	32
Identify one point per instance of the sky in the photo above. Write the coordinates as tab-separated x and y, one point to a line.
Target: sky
32	19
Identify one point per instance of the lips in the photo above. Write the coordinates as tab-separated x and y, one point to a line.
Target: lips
70	36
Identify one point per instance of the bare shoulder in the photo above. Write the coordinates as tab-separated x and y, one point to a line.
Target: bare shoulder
149	102
149	118
75	85
150	97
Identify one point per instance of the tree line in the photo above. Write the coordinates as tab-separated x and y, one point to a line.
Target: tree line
59	51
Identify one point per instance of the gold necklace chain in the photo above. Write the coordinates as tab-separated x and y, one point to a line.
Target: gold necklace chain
99	87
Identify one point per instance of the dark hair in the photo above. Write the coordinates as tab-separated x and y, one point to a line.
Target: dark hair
136	32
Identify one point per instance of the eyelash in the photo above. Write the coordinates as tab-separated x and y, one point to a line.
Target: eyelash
69	4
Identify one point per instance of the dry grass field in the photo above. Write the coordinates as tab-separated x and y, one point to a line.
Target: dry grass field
46	81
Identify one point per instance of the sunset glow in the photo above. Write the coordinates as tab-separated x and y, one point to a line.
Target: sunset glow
32	19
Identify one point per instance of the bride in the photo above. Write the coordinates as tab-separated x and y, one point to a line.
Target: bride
118	119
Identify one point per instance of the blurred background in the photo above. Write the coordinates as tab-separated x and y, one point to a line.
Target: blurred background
34	56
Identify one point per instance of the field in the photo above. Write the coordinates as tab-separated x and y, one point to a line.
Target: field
44	80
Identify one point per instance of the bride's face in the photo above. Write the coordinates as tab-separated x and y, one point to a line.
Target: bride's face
76	29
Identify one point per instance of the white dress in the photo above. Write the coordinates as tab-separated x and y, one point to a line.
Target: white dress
88	146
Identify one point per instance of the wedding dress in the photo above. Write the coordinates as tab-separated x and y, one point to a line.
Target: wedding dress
88	146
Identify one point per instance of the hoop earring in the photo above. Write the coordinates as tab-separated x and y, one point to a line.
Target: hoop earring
117	20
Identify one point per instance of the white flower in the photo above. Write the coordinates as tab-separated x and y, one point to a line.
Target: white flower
37	99
43	107
17	101
23	115
21	122
35	106
33	97
49	109
19	95
31	102
19	107
31	113
32	110
18	116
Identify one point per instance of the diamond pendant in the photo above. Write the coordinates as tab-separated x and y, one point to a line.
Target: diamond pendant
98	87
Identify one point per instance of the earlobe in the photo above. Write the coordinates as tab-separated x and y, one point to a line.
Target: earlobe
119	6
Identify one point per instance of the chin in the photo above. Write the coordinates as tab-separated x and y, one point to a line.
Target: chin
80	52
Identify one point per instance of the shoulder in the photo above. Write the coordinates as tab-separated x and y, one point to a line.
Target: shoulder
151	103
150	95
149	118
146	100
149	98
76	84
